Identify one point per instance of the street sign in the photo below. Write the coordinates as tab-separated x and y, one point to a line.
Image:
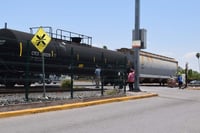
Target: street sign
142	37
40	40
136	44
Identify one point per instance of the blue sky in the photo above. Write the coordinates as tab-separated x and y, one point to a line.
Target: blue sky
173	26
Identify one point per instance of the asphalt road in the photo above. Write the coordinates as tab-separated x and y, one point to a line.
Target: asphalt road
173	111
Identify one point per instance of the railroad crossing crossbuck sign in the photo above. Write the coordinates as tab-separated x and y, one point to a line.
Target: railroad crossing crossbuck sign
41	39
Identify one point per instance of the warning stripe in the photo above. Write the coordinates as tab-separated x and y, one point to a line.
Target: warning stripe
20	49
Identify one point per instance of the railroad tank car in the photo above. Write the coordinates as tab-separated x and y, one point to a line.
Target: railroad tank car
18	55
19	58
154	68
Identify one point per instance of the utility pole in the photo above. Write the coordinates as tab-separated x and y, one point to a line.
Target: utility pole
186	75
137	49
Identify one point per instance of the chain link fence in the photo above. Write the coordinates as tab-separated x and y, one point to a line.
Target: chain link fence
21	65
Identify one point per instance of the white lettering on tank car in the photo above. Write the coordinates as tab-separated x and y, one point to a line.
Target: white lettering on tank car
36	53
2	42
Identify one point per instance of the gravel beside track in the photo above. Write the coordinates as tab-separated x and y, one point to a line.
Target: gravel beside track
17	101
7	99
11	102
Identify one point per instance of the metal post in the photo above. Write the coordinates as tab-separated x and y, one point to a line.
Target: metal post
72	75
5	25
137	50
124	75
186	75
102	73
27	71
43	75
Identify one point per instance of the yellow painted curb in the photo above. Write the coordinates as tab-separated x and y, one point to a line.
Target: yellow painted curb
193	88
73	105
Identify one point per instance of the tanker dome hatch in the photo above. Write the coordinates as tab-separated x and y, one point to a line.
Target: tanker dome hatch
76	39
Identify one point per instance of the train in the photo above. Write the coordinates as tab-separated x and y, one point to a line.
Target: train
71	53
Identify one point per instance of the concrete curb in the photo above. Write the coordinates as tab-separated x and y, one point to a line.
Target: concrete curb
193	88
73	105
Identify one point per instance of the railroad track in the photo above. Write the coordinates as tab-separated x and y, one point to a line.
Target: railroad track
36	89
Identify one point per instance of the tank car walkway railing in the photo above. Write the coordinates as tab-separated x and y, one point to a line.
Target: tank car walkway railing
50	32
66	35
72	36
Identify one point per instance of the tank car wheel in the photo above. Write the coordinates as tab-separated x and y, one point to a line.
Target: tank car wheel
9	84
28	84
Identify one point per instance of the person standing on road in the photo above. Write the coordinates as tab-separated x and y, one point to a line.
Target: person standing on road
131	79
180	81
97	76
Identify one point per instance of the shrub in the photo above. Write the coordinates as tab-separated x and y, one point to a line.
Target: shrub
112	92
66	83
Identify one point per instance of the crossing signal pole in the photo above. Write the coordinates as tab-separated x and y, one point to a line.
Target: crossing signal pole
136	48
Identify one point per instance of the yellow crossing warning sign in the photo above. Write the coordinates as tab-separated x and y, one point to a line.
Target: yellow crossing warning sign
40	40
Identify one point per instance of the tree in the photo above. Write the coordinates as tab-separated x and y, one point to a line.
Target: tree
198	56
192	75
